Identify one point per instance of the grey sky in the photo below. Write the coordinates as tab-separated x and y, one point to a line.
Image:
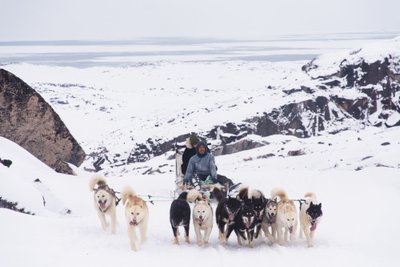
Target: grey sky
129	19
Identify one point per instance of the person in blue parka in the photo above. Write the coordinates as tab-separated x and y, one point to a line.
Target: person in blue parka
202	166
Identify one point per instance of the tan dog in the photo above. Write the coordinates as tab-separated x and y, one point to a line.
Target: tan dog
286	216
202	221
104	201
310	216
136	214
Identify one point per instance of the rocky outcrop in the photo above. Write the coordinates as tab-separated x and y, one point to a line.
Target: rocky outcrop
302	119
367	74
28	120
13	206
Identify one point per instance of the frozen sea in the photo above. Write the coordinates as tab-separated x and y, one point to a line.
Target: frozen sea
138	52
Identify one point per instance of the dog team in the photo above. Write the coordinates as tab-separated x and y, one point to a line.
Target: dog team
249	214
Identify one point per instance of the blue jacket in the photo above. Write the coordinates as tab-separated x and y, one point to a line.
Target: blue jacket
204	164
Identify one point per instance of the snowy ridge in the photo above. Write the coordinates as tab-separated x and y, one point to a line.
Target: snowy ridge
330	63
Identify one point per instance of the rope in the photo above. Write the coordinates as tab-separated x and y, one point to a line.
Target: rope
301	201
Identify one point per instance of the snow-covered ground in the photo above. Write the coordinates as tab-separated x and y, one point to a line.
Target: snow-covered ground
354	173
359	226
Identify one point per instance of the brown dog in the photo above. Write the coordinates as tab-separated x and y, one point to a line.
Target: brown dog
136	214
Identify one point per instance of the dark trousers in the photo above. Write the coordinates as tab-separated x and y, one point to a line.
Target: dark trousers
220	179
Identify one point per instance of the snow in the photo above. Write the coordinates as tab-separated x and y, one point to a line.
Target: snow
360	218
329	63
355	173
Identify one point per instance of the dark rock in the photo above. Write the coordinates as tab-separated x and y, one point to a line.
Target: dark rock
385	144
13	206
367	157
296	152
6	162
269	155
241	145
26	119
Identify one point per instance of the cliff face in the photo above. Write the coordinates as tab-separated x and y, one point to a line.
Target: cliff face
28	120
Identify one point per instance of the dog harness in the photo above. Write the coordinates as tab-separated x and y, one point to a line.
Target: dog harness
231	215
110	191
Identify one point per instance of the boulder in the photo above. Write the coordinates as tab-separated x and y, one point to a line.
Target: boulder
28	120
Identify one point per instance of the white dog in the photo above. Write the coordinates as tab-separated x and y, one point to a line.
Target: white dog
202	221
136	214
104	201
286	216
310	216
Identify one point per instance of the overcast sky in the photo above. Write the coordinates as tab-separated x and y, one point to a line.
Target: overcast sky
129	19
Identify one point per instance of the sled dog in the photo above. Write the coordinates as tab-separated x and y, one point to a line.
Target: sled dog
245	221
259	203
202	220
136	214
310	216
269	219
227	210
286	216
104	201
179	213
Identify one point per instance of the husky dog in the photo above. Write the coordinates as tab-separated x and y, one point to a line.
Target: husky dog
245	221
286	217
179	213
269	219
136	214
104	201
310	216
227	210
259	202
202	220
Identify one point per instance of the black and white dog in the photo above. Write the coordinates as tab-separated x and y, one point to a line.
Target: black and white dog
259	204
179	213
310	216
227	210
245	221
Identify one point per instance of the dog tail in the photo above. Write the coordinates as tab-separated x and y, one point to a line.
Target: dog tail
96	180
193	195
257	194
311	196
244	193
279	192
219	196
126	193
